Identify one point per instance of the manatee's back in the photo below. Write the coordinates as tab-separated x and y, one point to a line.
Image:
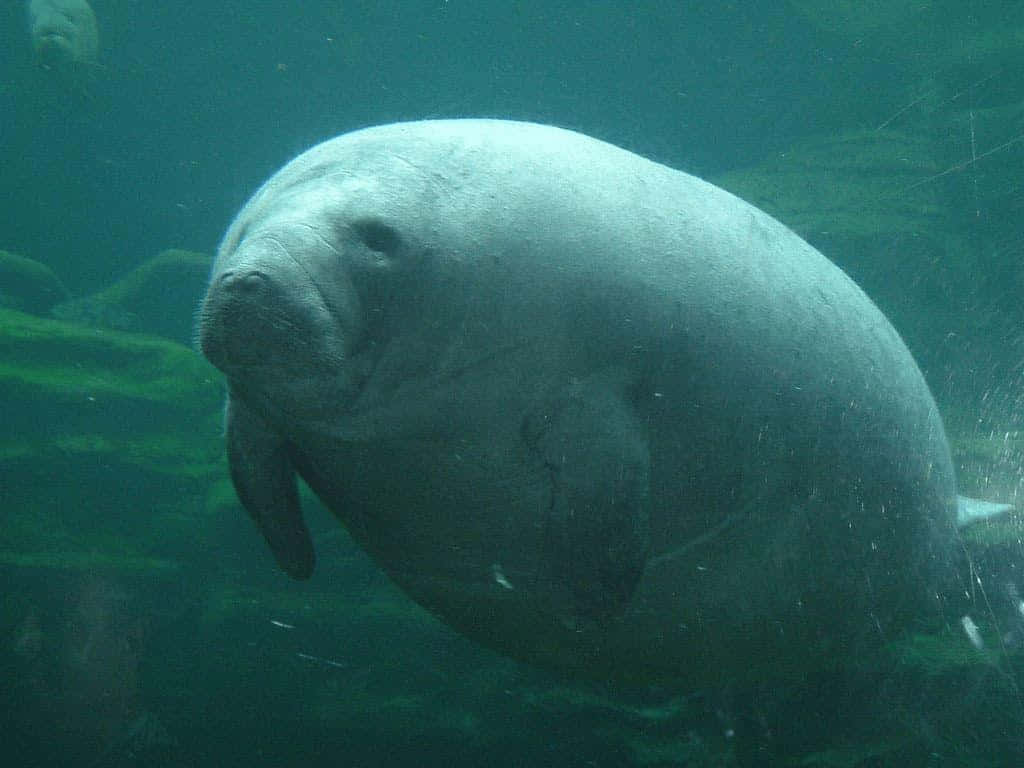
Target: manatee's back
725	305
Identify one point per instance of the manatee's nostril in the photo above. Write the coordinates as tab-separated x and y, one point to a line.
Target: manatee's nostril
253	282
244	283
238	310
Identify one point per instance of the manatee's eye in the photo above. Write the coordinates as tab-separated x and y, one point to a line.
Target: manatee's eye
378	236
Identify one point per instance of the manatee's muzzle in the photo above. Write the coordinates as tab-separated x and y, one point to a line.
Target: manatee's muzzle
52	45
51	37
243	320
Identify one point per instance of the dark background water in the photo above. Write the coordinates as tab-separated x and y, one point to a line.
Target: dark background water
172	657
198	102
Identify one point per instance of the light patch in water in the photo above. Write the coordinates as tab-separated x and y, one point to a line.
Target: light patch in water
499	577
971	630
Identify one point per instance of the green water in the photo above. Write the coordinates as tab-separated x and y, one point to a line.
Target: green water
142	622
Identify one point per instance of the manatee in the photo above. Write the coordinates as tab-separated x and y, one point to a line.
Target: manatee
593	412
64	33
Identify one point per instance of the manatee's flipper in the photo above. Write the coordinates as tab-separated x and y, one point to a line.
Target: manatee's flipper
265	482
598	525
970	510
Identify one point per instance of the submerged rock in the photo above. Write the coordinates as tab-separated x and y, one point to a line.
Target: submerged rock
99	427
29	285
157	297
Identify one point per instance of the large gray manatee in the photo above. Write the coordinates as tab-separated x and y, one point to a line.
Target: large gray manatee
591	411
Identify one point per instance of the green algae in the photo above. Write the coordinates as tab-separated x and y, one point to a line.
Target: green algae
157	297
54	358
110	441
85	561
854	185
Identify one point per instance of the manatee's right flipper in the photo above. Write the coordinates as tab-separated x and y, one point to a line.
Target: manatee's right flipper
598	529
265	482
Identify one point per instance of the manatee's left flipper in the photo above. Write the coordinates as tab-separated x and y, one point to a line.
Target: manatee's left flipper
598	533
265	482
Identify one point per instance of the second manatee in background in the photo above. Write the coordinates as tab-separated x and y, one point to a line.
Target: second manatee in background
64	34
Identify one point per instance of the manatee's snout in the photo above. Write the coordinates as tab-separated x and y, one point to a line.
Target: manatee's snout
243	318
53	45
271	306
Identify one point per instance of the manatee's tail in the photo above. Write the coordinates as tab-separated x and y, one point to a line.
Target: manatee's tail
969	511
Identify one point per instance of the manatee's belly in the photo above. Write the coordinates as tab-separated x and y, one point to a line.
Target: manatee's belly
791	579
787	521
739	605
459	512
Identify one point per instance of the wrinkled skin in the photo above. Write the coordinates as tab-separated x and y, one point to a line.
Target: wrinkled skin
593	412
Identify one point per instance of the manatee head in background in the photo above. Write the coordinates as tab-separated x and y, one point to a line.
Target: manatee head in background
64	33
591	411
